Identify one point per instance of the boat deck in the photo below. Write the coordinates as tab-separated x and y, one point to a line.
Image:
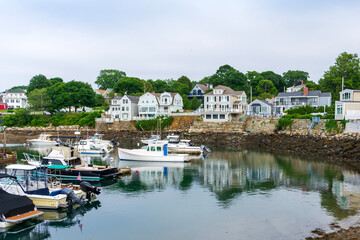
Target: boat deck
23	216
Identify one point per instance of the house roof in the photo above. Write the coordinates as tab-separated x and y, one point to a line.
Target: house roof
18	90
261	101
226	91
203	87
100	91
133	98
301	94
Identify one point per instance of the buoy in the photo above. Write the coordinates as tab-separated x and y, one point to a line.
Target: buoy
137	171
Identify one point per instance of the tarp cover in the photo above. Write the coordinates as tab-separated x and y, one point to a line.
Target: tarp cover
12	205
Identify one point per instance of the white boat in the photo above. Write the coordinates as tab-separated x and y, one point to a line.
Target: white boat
89	146
15	209
155	152
153	138
42	140
31	181
175	145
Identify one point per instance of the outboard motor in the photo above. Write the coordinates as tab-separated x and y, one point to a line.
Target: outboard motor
114	143
71	197
88	189
205	149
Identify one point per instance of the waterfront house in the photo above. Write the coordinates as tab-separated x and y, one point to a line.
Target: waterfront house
3	106
349	105
223	104
104	93
287	100
159	104
124	108
15	98
260	108
296	88
198	91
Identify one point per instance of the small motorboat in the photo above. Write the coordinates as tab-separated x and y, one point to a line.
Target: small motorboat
42	140
32	181
15	209
153	138
155	152
63	162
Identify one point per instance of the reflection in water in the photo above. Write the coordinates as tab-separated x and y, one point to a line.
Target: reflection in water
272	192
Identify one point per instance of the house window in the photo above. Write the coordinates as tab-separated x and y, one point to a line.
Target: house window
17	100
151	109
207	99
123	108
227	98
263	109
215	116
125	101
127	108
114	102
339	109
222	116
346	96
243	99
208	116
199	92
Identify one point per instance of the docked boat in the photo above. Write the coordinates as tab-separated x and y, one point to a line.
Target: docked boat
155	152
175	145
63	162
15	209
32	181
42	140
153	138
95	145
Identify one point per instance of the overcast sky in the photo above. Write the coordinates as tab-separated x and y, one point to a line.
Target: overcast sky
162	39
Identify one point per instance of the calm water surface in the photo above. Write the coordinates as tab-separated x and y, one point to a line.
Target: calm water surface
231	194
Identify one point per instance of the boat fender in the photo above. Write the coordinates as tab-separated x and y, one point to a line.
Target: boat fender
71	197
88	189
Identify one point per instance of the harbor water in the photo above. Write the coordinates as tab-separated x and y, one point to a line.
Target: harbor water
230	194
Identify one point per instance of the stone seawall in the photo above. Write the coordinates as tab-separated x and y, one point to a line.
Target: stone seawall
252	132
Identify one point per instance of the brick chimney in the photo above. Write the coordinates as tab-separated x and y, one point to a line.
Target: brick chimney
306	91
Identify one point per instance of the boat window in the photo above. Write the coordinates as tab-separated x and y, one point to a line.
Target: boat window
153	148
82	142
148	148
158	149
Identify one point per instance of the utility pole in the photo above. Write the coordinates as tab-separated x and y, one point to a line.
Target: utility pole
342	84
251	94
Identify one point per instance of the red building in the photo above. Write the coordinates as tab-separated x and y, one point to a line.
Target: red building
3	106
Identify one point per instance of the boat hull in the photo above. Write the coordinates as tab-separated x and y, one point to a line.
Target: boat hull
36	142
143	155
90	174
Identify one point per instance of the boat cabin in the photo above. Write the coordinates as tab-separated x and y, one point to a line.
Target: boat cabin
62	155
157	148
173	139
32	179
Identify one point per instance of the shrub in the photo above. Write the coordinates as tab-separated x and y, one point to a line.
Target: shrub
284	123
152	124
332	125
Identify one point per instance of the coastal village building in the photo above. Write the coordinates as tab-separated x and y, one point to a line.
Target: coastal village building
15	98
260	108
296	88
104	93
159	104
349	105
3	106
224	104
287	100
198	91
124	108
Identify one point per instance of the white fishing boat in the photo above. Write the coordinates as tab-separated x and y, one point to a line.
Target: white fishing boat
89	146
155	152
175	145
153	138
42	140
15	209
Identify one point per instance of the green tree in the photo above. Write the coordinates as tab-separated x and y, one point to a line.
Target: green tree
38	82
292	77
194	103
276	79
147	86
59	97
39	99
55	80
159	86
81	94
185	80
266	86
312	86
186	101
254	79
180	88
346	66
108	78
130	85
99	100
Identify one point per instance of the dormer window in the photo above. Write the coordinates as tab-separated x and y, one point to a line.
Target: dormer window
346	96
